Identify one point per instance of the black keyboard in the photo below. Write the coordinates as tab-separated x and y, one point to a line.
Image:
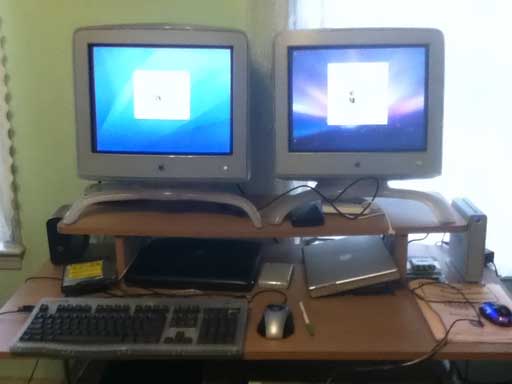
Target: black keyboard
134	327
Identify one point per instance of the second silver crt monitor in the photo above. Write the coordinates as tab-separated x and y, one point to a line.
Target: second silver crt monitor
161	102
359	102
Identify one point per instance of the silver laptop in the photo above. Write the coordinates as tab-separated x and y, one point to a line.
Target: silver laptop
347	263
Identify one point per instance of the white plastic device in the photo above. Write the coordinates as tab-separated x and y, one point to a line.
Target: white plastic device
108	192
467	249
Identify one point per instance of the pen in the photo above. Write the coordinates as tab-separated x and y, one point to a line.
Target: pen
309	327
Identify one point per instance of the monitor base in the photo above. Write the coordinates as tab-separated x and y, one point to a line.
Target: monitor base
111	192
277	211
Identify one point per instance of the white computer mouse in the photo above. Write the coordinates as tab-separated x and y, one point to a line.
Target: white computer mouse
276	322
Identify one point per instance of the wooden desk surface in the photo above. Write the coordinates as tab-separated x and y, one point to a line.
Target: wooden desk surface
28	293
386	327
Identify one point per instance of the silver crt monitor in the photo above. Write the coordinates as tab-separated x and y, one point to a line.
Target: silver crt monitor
161	102
359	102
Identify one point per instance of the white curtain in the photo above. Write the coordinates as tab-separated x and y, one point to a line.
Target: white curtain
6	197
477	152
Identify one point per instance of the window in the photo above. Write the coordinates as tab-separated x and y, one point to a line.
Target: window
8	238
477	137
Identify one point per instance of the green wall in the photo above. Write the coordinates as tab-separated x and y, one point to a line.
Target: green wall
39	63
38	47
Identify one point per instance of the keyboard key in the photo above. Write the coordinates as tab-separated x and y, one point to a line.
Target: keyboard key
131	326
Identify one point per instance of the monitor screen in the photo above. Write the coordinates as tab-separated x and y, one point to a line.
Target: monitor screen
161	99
358	98
161	103
359	102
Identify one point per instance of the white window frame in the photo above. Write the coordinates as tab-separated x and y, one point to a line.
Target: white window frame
11	249
474	132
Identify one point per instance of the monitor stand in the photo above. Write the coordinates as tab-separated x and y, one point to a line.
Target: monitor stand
277	211
112	192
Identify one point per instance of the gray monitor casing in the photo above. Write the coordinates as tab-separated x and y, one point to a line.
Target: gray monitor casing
336	165
192	168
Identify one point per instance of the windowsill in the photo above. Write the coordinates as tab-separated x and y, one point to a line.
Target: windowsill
11	255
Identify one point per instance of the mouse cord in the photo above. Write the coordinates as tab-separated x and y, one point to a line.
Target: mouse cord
478	319
440	344
251	298
385	367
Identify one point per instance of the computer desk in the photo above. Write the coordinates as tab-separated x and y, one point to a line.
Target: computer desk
375	327
378	327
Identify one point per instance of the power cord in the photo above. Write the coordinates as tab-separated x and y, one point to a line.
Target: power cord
21	309
495	268
67	371
241	190
332	202
42	278
442	242
33	372
440	344
418	239
150	292
251	298
456	289
154	293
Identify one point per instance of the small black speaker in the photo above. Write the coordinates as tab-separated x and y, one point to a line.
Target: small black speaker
64	249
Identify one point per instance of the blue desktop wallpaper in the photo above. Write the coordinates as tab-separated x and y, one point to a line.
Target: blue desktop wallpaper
406	127
205	125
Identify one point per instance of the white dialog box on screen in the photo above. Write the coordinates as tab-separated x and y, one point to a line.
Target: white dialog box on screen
357	93
161	95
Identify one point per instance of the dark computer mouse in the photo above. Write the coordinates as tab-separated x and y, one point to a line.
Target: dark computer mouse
276	322
497	314
503	310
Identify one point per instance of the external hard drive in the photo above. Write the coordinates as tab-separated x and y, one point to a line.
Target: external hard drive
275	275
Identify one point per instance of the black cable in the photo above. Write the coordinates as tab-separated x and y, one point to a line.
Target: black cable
268	204
251	298
419	239
370	178
154	293
7	312
21	309
442	242
458	290
43	278
495	269
332	202
240	189
67	371
439	345
33	372
435	349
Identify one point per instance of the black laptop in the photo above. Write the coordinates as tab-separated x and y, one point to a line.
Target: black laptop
205	264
